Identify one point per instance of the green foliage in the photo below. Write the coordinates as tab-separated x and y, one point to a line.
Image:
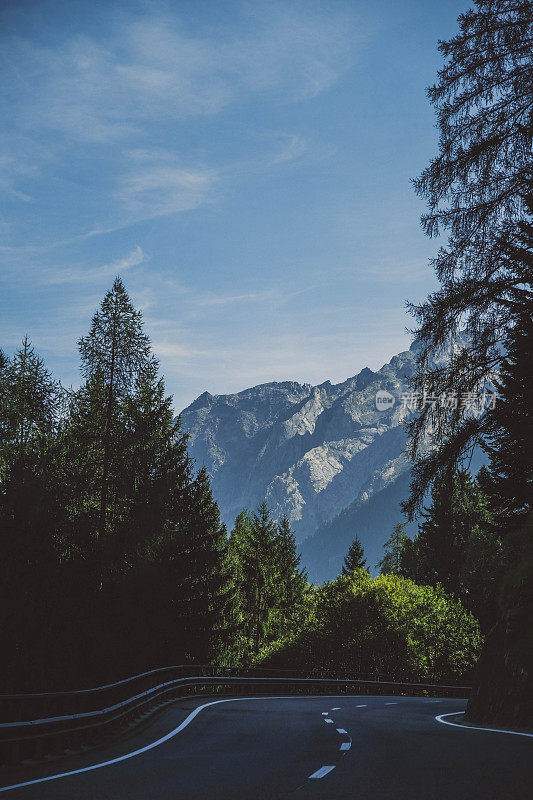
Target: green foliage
391	563
458	545
475	188
384	628
355	557
114	557
272	588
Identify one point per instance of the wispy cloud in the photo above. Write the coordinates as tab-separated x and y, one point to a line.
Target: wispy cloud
143	68
158	189
93	274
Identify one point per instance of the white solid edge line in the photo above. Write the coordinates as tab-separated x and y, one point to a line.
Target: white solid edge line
151	746
321	772
440	718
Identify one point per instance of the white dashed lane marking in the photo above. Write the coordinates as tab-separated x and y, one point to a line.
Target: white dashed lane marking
346	745
328	720
325	713
341	730
391	704
363	706
337	708
321	772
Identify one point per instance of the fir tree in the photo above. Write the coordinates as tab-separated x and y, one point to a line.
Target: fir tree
256	543
115	352
391	563
206	596
291	576
355	558
474	188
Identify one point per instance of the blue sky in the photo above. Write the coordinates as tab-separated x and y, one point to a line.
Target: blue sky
244	166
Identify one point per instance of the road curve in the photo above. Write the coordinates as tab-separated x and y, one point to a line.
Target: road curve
380	748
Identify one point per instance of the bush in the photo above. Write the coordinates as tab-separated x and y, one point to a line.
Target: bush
384	628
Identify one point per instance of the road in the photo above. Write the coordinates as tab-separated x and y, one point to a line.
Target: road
375	748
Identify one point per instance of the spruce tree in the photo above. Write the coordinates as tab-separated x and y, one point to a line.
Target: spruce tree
391	563
205	596
291	576
475	188
29	402
354	558
115	352
457	509
257	550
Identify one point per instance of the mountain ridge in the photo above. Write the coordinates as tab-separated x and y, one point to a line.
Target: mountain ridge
310	451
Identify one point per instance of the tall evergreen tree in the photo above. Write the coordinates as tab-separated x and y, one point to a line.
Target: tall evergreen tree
29	402
474	188
391	563
255	541
355	558
115	352
457	509
205	596
291	576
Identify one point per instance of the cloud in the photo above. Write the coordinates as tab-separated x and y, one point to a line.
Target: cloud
93	274
152	67
158	189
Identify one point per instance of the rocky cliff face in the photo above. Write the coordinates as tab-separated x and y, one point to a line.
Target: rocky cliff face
311	451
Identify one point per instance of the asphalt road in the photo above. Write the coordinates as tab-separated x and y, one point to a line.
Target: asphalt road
375	748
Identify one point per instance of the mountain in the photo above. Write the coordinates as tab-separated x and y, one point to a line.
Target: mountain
324	455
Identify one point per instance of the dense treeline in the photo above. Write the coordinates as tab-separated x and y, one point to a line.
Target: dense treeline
114	558
459	545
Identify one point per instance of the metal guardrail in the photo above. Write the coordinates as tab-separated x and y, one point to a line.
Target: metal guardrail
92	721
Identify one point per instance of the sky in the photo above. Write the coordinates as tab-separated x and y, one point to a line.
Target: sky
245	167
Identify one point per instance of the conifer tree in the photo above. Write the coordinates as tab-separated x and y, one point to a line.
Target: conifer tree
29	402
391	563
457	509
475	189
257	549
205	599
291	576
355	558
115	352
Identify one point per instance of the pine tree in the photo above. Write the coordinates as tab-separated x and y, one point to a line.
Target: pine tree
457	510
355	558
115	352
205	596
391	563
29	402
291	576
255	543
475	189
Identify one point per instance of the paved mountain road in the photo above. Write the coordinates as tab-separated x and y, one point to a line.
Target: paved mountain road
361	748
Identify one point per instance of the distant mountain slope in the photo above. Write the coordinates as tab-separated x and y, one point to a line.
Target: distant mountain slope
311	451
371	520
